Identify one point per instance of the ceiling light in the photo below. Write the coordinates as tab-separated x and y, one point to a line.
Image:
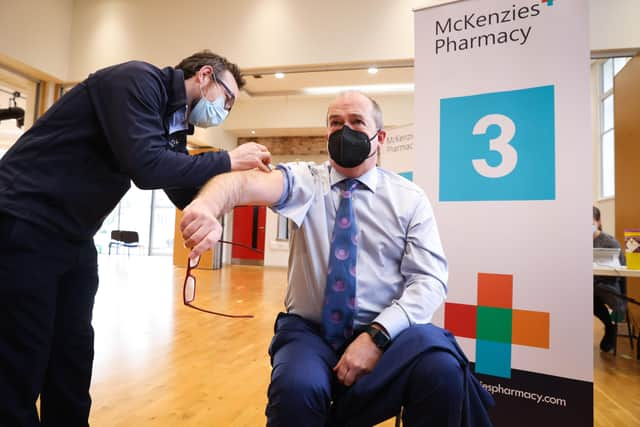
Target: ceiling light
372	70
381	88
279	75
253	132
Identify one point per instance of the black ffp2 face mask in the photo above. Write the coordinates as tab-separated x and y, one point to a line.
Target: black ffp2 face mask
349	148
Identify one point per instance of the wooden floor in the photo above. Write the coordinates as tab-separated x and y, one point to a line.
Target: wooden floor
616	389
159	363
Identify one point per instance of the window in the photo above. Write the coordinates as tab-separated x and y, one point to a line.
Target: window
608	167
150	213
163	217
609	69
283	228
135	214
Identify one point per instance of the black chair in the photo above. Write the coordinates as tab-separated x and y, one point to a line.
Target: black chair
128	239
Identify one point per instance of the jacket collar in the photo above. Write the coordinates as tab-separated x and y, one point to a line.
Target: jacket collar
176	91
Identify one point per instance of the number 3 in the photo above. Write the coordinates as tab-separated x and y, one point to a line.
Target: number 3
500	144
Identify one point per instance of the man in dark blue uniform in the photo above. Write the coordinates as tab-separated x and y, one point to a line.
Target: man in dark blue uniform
58	183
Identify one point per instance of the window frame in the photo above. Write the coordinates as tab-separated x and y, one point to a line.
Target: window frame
282	230
607	66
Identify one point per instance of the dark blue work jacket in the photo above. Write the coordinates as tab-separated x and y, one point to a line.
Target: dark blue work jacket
72	167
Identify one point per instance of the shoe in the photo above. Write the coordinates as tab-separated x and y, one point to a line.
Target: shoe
608	341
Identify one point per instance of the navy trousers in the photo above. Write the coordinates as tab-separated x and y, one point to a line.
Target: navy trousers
423	371
47	290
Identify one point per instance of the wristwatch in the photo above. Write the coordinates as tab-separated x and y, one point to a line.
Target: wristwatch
379	337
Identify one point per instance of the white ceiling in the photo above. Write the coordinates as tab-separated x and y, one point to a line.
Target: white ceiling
264	82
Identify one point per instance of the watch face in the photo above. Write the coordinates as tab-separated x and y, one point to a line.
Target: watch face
378	337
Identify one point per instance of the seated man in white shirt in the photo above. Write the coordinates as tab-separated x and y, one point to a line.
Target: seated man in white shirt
366	273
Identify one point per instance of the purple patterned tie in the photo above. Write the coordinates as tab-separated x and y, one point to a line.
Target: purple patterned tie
340	293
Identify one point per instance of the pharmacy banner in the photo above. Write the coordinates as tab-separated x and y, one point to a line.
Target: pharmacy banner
398	151
503	124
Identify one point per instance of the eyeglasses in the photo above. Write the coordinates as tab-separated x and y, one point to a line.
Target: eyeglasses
229	97
189	287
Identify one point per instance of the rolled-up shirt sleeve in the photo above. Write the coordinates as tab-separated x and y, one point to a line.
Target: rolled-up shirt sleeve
301	184
424	267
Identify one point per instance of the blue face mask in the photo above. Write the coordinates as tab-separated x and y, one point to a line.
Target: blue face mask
208	113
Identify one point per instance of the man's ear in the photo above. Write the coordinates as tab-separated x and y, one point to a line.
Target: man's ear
382	136
203	72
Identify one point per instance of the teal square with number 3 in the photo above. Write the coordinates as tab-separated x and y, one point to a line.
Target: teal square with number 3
498	146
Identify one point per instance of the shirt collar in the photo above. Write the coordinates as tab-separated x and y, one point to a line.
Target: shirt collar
369	179
178	120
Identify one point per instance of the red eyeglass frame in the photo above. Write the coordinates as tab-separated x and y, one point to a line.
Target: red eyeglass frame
189	303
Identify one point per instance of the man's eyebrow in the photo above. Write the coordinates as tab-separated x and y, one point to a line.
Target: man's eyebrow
358	115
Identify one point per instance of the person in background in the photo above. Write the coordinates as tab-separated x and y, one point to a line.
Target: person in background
605	288
57	184
366	273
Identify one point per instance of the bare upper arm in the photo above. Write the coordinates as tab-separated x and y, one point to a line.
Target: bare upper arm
262	188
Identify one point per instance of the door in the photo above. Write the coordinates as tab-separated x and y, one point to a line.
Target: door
248	230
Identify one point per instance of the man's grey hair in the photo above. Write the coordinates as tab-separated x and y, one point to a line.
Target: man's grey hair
376	112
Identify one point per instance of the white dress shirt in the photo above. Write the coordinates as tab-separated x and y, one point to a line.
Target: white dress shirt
401	266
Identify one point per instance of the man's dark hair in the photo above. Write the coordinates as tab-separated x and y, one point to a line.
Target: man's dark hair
596	217
192	64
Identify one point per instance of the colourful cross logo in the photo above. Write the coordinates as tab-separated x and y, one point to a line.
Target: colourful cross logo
548	2
495	325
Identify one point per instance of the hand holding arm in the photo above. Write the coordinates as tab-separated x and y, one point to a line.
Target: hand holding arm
249	156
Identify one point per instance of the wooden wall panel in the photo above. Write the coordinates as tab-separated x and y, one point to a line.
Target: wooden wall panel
626	100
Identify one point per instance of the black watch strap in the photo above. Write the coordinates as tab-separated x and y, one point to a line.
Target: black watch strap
379	337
